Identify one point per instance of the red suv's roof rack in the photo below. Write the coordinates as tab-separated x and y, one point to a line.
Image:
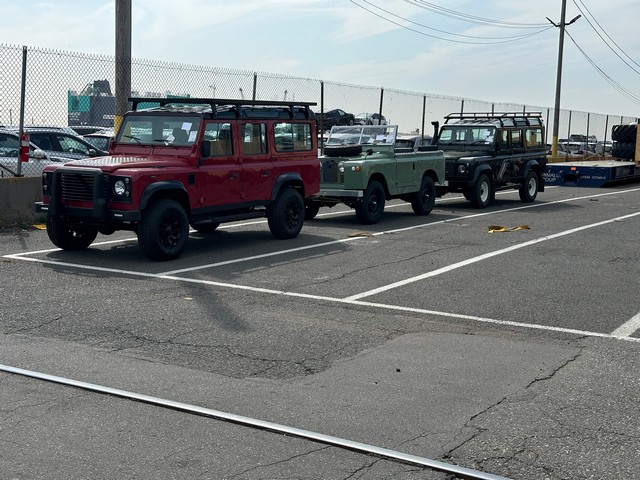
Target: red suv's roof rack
241	108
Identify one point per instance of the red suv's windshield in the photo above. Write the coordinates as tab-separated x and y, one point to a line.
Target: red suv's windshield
180	130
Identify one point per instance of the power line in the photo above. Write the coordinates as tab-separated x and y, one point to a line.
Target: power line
602	38
471	18
477	39
626	93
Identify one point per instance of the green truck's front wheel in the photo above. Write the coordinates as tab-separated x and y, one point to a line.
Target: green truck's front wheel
371	208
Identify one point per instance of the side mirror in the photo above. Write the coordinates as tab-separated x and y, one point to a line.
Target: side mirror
38	154
92	153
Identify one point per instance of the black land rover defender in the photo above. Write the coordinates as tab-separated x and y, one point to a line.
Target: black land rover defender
486	152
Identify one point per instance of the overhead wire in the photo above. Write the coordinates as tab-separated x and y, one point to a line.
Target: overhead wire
471	18
496	40
608	36
626	93
477	39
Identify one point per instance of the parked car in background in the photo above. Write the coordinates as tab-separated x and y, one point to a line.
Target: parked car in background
336	117
604	148
413	142
61	144
100	139
9	150
370	119
85	129
16	128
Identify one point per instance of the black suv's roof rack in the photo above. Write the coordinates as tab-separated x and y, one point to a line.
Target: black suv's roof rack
227	107
511	118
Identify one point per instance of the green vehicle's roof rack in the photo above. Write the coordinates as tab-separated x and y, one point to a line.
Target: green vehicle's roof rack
503	118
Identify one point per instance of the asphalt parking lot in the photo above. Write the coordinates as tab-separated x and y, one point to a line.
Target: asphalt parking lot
512	354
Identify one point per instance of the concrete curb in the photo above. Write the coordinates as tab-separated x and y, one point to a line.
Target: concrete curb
17	196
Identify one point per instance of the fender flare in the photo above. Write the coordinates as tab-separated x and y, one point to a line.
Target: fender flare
538	169
287	178
153	188
480	170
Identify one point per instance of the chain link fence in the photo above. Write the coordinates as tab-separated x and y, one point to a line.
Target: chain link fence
76	89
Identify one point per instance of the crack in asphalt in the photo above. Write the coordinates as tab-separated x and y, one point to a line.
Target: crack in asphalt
34	327
321	281
477	431
279	462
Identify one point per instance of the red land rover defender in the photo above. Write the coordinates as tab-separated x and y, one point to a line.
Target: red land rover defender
188	162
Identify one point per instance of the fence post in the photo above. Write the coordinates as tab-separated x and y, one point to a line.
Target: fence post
321	129
123	61
22	97
255	85
424	114
546	130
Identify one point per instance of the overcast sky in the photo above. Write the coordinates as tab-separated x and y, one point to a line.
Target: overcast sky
460	48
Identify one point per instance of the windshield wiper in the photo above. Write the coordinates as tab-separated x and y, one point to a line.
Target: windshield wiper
132	138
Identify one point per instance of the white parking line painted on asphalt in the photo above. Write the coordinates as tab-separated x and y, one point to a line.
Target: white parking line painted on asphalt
333	300
384	232
629	328
622	333
480	258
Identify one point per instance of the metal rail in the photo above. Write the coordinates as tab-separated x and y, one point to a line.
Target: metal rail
261	424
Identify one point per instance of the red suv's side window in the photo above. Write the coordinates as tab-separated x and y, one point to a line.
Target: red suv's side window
219	136
254	138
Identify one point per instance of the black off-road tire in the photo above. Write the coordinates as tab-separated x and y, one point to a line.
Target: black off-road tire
624	133
529	189
425	198
68	236
164	230
311	209
285	215
623	150
371	208
342	150
482	194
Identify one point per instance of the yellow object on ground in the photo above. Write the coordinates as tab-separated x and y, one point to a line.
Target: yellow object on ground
499	228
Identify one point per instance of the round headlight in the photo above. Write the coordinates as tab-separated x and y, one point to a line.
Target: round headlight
341	167
462	168
119	188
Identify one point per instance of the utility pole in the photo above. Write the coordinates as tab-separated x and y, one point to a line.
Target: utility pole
556	109
123	60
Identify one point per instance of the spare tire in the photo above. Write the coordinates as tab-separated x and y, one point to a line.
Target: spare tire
342	150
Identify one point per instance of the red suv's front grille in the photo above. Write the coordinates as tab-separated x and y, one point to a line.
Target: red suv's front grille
78	187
